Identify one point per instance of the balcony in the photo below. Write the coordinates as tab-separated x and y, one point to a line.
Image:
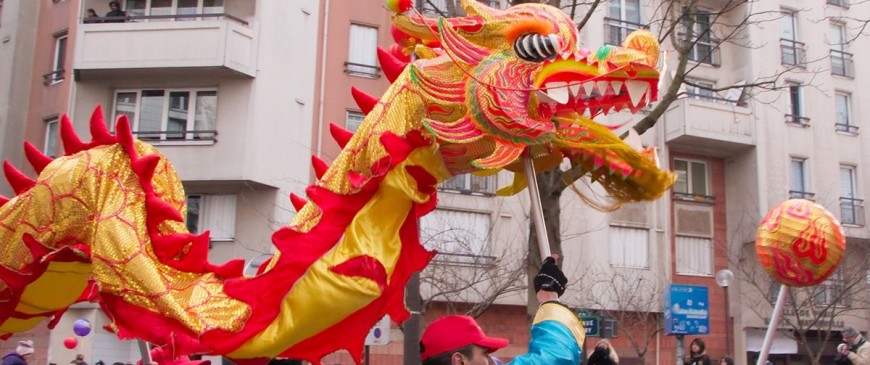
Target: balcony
211	45
799	194
715	127
842	64
793	53
852	211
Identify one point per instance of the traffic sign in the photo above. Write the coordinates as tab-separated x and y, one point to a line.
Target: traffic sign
380	333
592	323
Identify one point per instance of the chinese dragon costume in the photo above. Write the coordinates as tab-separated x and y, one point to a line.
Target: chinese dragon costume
105	221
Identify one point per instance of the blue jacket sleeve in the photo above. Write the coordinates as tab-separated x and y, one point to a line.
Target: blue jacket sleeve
557	337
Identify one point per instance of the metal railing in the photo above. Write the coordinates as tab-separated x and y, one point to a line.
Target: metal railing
135	18
793	53
359	69
53	77
462	259
186	135
797	119
615	30
842	64
470	184
840	3
795	194
846	128
852	211
694	197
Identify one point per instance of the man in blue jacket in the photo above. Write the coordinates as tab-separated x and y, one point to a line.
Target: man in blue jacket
22	353
557	334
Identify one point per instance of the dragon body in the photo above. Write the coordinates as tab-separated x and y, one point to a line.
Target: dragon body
105	221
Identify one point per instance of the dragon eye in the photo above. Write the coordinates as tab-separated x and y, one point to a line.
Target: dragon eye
534	47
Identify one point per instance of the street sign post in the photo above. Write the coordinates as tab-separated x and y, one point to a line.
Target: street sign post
592	323
380	333
687	310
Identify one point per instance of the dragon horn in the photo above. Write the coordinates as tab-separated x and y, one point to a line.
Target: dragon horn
37	159
99	132
391	65
341	135
297	201
319	166
17	179
71	141
365	101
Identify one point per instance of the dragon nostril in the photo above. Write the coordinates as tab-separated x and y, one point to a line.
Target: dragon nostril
534	47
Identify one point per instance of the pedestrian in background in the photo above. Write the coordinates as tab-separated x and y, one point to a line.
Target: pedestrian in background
22	353
603	354
697	354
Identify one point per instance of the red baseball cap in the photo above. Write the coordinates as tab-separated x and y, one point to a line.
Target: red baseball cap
455	332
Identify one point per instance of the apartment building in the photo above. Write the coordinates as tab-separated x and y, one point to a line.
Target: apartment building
223	88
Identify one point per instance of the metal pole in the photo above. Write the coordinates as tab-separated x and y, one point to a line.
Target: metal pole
727	325
144	352
366	355
774	323
681	349
537	212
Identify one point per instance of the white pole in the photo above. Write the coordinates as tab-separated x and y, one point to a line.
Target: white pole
536	211
144	352
774	323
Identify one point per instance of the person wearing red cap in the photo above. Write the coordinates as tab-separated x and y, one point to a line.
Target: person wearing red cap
557	333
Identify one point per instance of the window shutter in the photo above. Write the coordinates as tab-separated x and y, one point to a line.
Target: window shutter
219	217
629	247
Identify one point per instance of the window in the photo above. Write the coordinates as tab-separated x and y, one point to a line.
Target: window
691	177
57	62
629	247
623	17
694	255
833	292
470	184
705	48
52	130
362	58
460	237
353	119
796	106
841	61
701	90
799	182
851	209
792	50
184	8
435	8
843	105
840	3
215	213
173	114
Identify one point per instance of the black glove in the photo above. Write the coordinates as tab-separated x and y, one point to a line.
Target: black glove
550	278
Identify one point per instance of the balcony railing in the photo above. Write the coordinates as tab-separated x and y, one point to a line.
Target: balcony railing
842	64
795	194
852	211
182	17
461	259
615	30
797	119
53	77
840	3
187	136
846	128
359	69
793	53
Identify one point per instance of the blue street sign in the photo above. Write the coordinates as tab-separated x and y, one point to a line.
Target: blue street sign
687	310
592	325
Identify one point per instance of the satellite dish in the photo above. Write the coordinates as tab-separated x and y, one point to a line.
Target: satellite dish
724	278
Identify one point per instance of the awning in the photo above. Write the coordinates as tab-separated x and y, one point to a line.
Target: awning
783	341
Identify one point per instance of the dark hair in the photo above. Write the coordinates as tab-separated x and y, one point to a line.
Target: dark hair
444	358
728	360
701	346
116	2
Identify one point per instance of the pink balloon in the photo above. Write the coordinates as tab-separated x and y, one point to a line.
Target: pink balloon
70	342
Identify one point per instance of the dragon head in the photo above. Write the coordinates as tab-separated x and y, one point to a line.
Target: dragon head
497	83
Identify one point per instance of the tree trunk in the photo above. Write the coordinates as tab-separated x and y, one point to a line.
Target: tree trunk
550	187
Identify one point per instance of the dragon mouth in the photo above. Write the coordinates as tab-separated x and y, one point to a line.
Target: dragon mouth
570	84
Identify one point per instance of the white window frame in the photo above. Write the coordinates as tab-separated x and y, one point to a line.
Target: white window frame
173	10
848	126
190	135
621	23
826	292
690	177
52	137
469	184
362	58
353	119
217	214
690	251
704	92
851	208
805	193
61	42
796	103
704	37
625	253
461	237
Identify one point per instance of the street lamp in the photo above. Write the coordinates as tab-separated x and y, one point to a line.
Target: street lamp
724	278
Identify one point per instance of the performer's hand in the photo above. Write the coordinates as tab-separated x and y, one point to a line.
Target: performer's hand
550	278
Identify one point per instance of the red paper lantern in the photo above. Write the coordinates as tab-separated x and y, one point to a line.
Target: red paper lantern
70	342
799	243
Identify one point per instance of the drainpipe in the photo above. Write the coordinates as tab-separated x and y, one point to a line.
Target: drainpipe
319	127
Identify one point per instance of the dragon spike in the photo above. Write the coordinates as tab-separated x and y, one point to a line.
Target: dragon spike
391	65
17	179
319	166
365	101
125	135
37	159
340	135
298	201
3	200
71	141
99	131
145	166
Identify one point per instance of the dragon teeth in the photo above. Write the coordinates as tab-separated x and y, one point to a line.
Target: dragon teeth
574	87
617	86
588	86
558	91
636	90
602	87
